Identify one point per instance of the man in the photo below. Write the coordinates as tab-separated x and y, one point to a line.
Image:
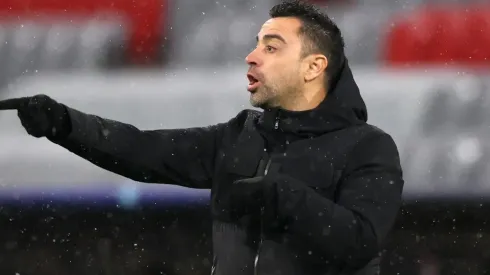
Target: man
304	187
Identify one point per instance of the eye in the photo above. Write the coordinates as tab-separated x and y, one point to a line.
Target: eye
269	49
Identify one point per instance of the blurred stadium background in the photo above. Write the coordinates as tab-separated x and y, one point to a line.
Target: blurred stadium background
422	66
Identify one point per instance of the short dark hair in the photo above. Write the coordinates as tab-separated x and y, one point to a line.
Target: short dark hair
320	34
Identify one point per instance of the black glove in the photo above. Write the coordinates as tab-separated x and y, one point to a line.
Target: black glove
251	196
40	115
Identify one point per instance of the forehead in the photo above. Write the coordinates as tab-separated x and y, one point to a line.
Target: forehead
287	27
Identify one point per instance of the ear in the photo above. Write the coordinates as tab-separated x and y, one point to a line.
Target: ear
315	66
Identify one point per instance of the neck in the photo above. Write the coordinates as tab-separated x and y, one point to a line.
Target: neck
307	101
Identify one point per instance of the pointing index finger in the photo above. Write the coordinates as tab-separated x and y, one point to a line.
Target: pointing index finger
14	103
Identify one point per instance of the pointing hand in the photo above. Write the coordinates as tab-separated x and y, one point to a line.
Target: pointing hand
40	115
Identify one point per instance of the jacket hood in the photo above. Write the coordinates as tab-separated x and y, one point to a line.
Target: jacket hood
342	107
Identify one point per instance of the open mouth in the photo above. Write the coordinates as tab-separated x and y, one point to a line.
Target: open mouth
253	83
251	79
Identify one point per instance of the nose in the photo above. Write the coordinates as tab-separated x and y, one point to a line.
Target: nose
252	58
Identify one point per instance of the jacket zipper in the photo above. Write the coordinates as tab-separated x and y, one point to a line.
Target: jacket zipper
256	261
267	166
213	267
261	225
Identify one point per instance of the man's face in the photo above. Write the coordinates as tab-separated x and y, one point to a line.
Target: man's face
275	64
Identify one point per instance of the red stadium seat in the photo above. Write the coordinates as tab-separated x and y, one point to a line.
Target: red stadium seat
479	35
145	17
408	39
444	27
454	35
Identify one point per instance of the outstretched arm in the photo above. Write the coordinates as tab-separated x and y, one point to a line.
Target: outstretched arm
178	156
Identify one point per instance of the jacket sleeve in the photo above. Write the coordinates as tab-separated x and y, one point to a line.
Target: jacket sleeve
351	229
177	156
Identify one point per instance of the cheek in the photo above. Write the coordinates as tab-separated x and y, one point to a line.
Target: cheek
290	74
282	71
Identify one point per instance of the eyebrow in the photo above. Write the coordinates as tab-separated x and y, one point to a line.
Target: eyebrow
271	37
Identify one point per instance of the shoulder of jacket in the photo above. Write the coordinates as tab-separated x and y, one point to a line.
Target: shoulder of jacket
367	131
244	117
369	135
375	145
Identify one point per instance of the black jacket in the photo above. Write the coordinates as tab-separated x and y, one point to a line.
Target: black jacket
337	180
